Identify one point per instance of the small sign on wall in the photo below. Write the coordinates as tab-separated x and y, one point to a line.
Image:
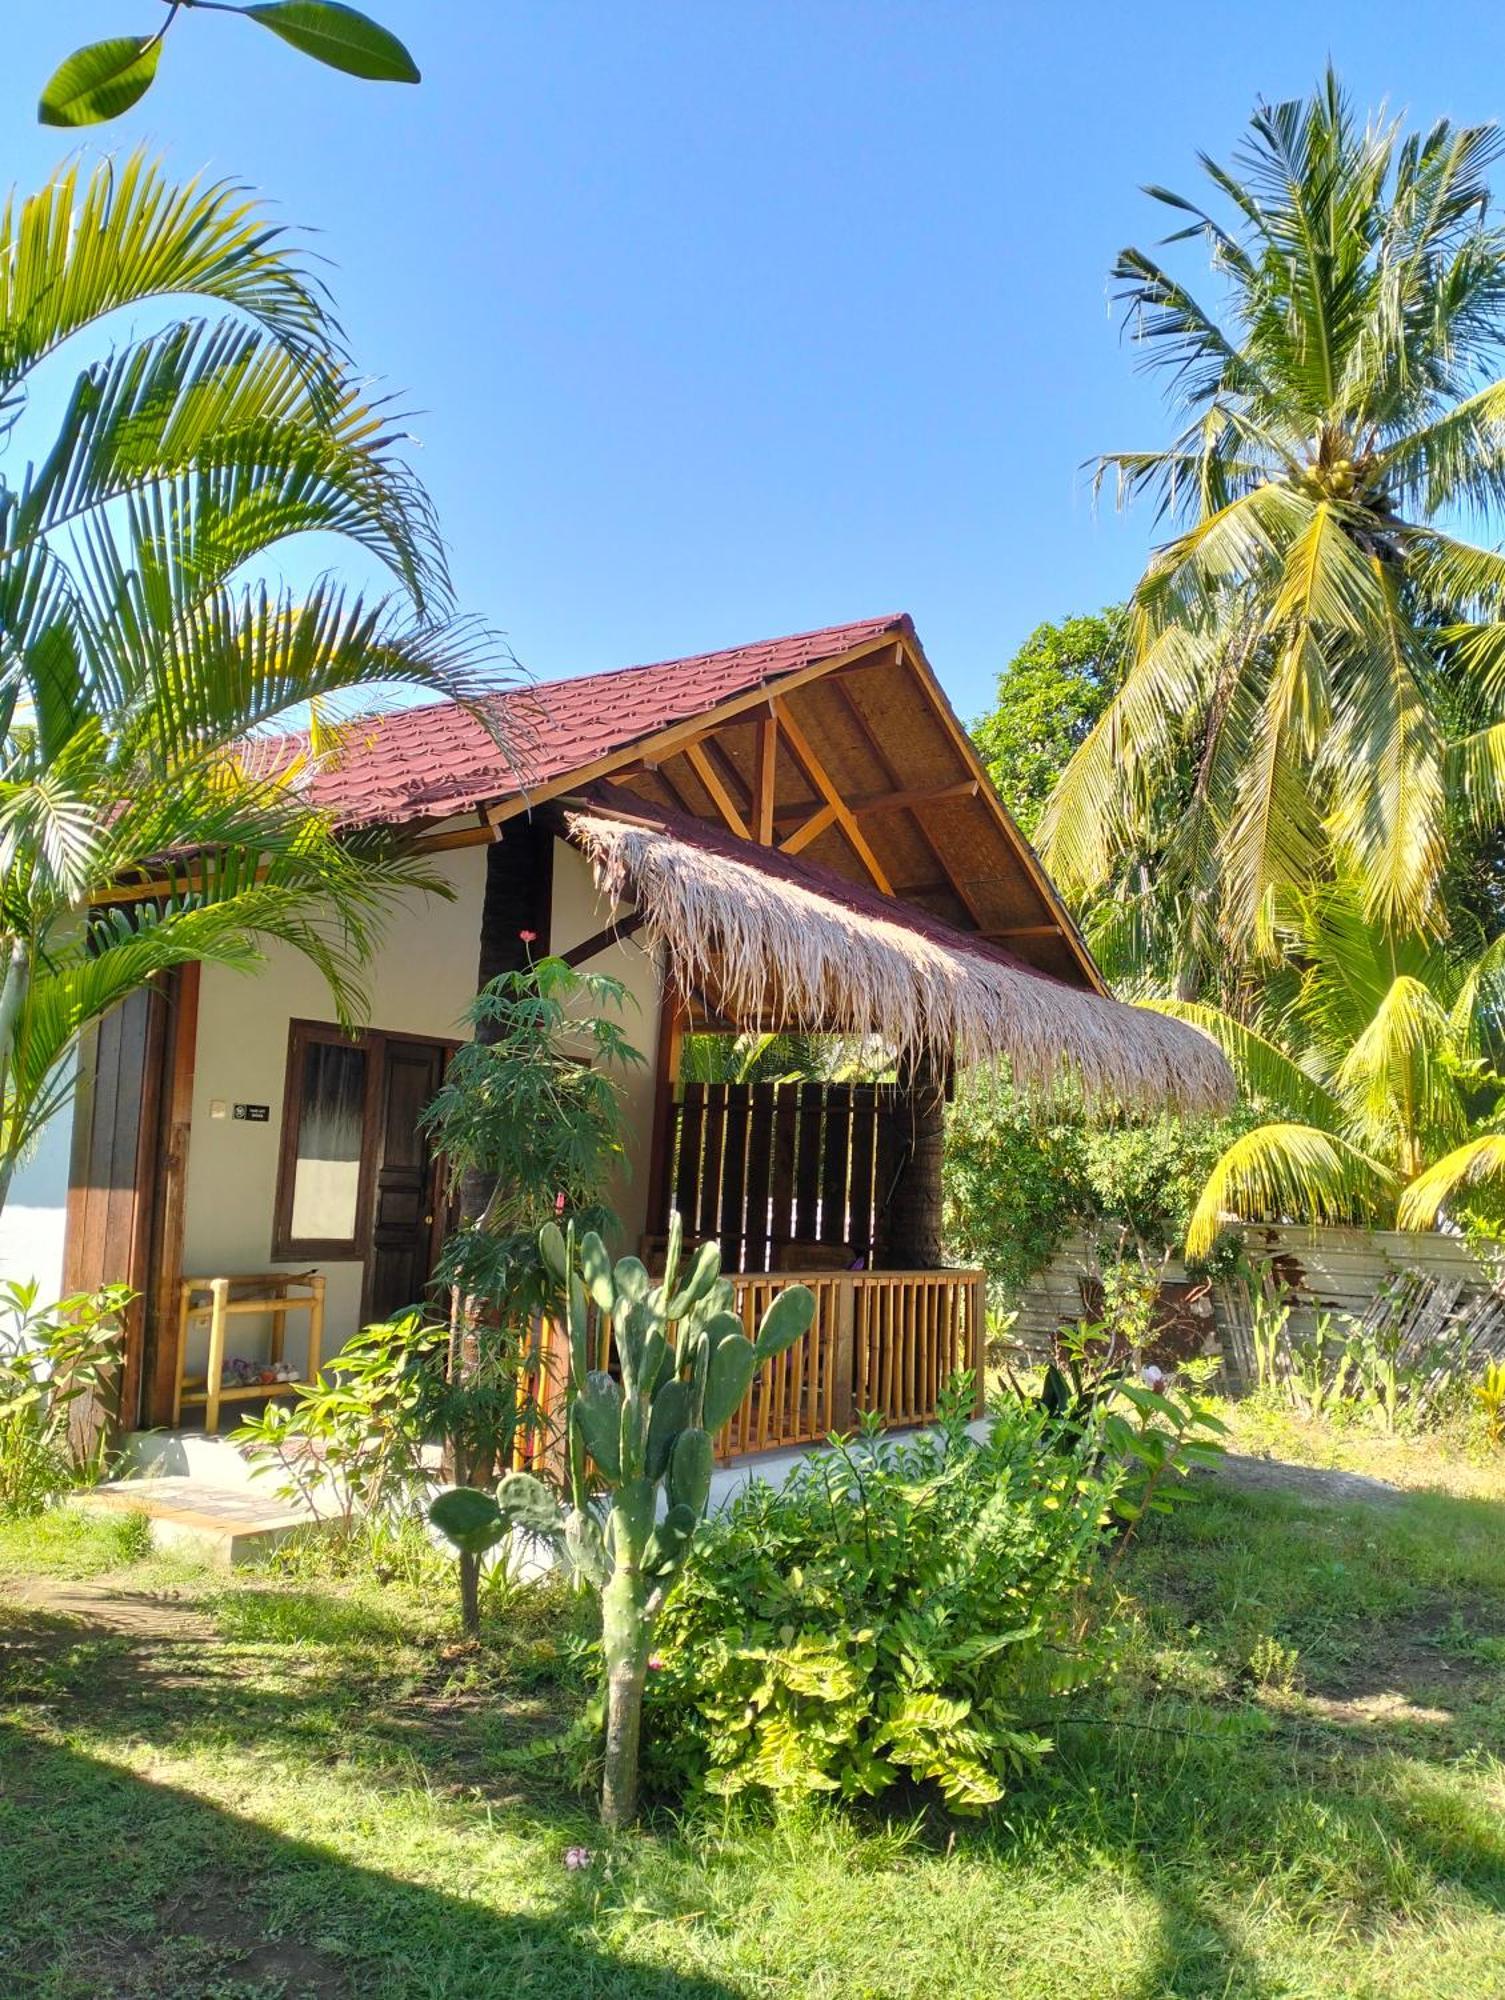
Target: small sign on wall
254	1114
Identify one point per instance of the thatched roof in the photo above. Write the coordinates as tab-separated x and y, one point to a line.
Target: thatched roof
774	940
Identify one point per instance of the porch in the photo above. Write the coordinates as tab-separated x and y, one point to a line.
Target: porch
790	839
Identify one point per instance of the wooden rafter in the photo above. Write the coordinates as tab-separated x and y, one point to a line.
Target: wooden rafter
765	778
593	946
818	775
869	804
912	802
809	829
967	750
715	784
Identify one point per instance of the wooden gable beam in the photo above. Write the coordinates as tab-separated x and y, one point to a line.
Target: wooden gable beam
809	829
967	750
765	776
818	775
886	765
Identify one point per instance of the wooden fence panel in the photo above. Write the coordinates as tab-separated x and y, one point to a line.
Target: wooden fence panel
1316	1271
769	1165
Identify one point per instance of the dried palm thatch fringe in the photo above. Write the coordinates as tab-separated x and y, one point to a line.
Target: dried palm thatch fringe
765	947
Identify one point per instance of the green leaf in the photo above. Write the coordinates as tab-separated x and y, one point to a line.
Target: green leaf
788	1319
672	1408
551	1247
525	1502
732	1368
97	83
470	1519
598	1412
690	1467
339	36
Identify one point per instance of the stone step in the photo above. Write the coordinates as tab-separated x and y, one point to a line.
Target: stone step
228	1524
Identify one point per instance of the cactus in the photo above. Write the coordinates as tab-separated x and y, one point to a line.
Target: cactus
685	1365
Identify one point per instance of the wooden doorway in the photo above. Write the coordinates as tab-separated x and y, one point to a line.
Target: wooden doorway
359	1181
405	1196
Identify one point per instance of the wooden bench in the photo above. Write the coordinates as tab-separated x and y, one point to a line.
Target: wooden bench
217	1301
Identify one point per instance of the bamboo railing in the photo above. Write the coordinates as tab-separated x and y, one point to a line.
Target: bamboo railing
883	1343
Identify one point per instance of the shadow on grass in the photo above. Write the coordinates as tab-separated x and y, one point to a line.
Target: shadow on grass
1352	1803
118	1889
1244	1821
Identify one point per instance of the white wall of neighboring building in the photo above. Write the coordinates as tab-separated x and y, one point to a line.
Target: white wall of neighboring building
420	983
35	1216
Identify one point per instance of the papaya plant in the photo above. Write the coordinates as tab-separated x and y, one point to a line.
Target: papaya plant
640	1451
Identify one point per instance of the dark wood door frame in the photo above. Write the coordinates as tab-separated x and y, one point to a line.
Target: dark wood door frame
396	1048
360	1248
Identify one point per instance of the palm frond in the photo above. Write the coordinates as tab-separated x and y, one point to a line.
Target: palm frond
1266	1073
1424	1200
1287	1172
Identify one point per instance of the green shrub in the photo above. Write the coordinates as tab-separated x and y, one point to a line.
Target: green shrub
55	1361
898	1611
1017	1182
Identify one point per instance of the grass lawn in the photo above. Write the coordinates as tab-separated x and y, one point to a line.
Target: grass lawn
288	1785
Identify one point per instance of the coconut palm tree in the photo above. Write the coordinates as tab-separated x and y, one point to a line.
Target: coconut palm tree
1378	1062
147	817
1339	410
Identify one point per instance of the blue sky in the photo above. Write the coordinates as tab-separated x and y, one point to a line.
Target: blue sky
732	317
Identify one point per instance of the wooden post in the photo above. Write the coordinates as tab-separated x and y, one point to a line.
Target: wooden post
765	779
671	1025
843	1299
180	1336
315	1324
163	1369
219	1292
977	1301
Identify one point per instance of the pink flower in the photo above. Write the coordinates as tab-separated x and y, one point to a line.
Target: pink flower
528	937
655	1663
578	1857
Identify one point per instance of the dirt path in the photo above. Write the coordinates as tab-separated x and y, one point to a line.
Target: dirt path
1320	1484
105	1606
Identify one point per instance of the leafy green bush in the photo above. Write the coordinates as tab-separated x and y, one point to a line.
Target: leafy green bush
898	1611
350	1445
1018	1181
53	1360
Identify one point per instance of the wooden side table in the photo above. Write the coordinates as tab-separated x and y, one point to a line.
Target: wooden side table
217	1300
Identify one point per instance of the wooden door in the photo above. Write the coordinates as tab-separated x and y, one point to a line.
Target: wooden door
401	1254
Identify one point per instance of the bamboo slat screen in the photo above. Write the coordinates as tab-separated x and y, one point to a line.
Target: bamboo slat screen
913	1331
764	1165
799	1397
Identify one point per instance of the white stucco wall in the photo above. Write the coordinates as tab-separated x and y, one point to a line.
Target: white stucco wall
578	913
420	984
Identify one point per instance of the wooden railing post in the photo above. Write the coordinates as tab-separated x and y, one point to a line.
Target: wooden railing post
844	1354
977	1308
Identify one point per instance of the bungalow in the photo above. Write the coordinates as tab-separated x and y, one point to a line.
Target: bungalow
796	834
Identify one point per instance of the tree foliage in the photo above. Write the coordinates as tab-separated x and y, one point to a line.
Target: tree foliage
1376	1061
147	819
103	79
1019	1180
533	1107
1048	698
1338	408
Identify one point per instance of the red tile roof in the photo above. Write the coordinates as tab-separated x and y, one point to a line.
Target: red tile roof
429	762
